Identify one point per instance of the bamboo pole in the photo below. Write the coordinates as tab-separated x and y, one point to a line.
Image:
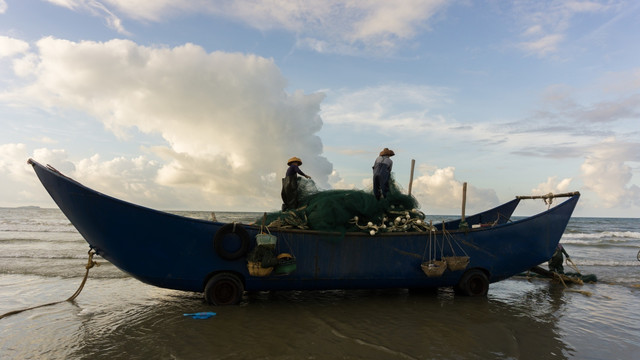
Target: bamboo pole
464	199
548	196
413	164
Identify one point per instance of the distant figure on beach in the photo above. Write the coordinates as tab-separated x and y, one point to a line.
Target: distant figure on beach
289	191
555	263
382	173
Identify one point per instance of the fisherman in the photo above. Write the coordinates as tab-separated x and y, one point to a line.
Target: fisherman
289	191
555	263
382	173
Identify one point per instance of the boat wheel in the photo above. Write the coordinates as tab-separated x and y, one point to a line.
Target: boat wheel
223	289
474	282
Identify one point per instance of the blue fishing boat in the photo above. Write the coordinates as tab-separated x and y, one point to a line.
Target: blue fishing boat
176	252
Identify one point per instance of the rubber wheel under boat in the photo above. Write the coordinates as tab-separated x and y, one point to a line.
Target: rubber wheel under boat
223	289
473	283
240	232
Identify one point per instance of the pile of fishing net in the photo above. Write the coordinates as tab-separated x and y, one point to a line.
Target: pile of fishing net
350	210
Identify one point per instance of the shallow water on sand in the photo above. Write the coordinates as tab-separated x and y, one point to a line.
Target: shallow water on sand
42	260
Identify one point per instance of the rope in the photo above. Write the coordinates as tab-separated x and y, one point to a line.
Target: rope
89	265
559	277
573	265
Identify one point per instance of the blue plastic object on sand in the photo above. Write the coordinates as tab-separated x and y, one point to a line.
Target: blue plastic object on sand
201	315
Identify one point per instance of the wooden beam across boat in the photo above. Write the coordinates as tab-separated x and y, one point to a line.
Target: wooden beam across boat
548	196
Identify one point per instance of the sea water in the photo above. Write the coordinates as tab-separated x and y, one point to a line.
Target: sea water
43	258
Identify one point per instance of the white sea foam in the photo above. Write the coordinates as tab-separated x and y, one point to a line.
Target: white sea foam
604	235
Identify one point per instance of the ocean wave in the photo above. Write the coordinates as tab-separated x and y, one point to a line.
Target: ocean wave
601	244
604	262
44	257
33	241
607	238
604	234
47	230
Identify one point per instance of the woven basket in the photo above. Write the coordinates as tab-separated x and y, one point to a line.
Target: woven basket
434	268
286	264
457	262
256	269
266	240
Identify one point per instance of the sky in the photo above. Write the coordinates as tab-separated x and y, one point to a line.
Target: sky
198	105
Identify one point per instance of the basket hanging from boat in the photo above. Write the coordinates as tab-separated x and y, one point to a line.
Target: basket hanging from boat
255	269
286	264
266	239
434	268
455	263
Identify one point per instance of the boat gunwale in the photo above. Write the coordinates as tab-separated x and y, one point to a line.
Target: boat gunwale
256	227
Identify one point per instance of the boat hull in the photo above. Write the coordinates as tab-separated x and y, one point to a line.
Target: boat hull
176	252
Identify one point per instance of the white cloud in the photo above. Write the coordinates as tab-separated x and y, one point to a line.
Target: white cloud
552	186
544	45
545	23
20	185
3	6
337	182
54	157
10	46
13	160
619	101
607	172
128	178
439	192
97	8
45	140
227	121
396	107
323	25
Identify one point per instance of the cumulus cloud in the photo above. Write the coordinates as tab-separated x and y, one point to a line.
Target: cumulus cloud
127	178
337	182
59	157
437	189
10	46
552	185
13	160
228	124
607	172
321	25
20	185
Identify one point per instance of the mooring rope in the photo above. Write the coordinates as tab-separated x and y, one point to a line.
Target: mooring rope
573	265
89	265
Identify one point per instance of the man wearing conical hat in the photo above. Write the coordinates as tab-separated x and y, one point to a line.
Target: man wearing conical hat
289	191
382	173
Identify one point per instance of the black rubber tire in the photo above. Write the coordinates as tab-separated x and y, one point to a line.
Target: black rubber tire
242	235
474	283
223	289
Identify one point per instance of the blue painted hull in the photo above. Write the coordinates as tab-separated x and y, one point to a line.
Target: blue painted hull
176	252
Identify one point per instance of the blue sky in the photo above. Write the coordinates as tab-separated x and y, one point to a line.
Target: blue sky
198	104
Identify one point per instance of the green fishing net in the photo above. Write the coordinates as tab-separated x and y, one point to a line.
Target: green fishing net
350	210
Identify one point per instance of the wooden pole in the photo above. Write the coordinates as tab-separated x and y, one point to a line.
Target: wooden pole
464	199
413	164
549	196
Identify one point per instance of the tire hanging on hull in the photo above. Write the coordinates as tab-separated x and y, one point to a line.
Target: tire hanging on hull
242	235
